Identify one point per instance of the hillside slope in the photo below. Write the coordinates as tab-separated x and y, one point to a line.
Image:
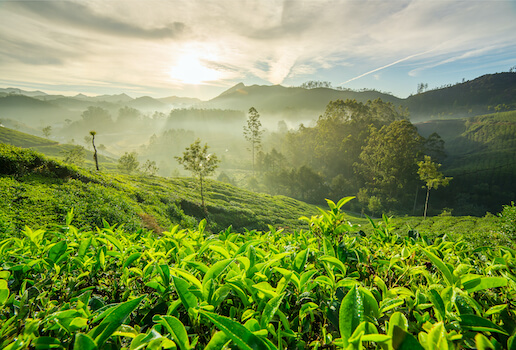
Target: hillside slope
278	99
490	92
481	157
37	191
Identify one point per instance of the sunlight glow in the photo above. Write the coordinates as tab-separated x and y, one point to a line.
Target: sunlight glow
189	69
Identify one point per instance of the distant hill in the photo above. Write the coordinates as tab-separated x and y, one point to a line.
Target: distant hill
147	103
31	110
280	99
492	92
485	94
180	101
16	91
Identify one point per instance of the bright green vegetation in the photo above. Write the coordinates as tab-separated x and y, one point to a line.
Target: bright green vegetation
322	288
20	139
50	148
37	191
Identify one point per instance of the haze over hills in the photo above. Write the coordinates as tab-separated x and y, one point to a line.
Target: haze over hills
469	98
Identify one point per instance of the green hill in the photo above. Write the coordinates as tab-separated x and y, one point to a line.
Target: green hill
37	191
481	157
50	148
490	92
288	101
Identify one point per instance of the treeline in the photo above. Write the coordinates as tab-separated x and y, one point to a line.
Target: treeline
366	149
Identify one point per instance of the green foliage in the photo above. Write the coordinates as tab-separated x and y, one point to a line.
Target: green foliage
253	132
388	161
75	155
128	162
37	191
508	223
149	167
327	287
47	130
429	173
201	163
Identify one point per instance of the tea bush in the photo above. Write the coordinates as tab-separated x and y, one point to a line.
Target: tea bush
330	287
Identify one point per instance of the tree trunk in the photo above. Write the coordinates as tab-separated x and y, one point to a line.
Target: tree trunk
252	146
202	195
95	157
426	202
415	201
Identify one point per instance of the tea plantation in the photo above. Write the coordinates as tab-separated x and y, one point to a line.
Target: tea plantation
77	283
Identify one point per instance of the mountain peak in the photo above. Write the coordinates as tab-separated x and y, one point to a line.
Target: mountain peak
237	88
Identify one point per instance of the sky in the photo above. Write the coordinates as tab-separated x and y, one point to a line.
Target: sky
196	48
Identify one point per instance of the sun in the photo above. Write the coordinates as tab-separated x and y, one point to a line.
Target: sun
189	69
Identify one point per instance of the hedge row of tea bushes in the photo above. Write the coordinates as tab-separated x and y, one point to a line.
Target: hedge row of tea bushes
324	288
38	191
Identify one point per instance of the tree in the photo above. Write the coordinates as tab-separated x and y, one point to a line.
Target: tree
429	173
201	163
150	167
75	155
253	132
434	147
128	162
95	155
47	130
388	163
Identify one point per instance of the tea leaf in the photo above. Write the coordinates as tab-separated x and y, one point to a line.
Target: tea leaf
114	319
84	342
476	323
240	335
351	314
402	340
187	298
176	328
270	309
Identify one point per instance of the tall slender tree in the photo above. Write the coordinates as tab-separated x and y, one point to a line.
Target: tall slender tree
253	132
95	155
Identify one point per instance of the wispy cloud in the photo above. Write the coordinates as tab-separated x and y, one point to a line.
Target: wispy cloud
387	66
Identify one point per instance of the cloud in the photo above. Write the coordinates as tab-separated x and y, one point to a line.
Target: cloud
75	14
136	43
387	66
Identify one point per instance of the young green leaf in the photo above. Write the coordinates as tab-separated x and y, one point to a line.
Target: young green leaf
114	319
300	261
448	275
84	342
351	314
188	299
270	309
57	250
176	329
240	335
476	323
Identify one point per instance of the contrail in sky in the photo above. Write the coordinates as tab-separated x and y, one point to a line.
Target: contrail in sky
389	65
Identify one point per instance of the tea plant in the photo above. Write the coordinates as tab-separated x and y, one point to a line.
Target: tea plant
330	287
